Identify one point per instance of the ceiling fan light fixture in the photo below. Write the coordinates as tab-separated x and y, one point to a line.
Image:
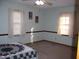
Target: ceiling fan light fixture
39	2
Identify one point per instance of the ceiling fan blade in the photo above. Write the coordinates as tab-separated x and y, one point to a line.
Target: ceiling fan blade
49	3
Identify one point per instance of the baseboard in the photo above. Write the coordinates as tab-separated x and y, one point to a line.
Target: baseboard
34	42
53	42
74	47
58	43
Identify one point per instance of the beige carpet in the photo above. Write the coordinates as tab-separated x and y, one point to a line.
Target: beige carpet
48	50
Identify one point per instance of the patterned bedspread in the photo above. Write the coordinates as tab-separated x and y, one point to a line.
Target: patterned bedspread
24	53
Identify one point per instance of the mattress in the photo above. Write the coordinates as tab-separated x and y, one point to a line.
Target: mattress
20	52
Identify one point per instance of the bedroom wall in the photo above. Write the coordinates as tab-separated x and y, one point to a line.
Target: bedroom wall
4	6
48	19
51	23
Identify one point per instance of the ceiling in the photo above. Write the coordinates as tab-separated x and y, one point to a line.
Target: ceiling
56	3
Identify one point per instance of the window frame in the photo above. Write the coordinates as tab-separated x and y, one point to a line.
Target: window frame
10	22
71	24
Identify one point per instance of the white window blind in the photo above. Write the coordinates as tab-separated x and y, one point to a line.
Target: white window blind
65	24
17	17
16	22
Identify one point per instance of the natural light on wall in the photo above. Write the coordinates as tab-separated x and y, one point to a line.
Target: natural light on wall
32	35
65	22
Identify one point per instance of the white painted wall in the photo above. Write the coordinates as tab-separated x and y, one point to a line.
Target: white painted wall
48	19
51	24
4	6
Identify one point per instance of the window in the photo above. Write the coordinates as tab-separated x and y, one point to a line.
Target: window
17	18
65	24
16	22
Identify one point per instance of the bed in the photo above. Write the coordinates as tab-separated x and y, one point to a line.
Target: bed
17	51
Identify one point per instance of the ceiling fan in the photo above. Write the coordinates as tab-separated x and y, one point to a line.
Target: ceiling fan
41	2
